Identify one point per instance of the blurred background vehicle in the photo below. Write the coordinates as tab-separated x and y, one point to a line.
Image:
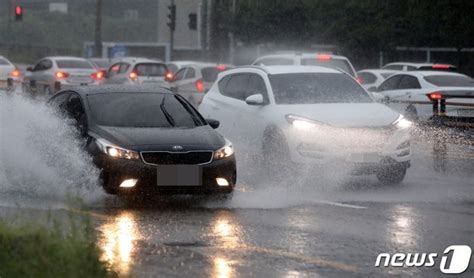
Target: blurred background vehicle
54	73
174	66
9	73
307	59
135	71
371	78
193	80
411	93
405	66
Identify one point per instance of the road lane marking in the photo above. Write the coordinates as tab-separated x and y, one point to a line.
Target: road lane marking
337	204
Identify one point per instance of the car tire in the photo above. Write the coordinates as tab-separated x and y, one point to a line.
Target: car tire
392	175
411	113
276	156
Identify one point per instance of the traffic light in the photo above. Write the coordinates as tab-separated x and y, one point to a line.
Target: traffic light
18	13
192	23
172	17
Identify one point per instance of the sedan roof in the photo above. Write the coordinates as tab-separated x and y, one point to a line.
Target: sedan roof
90	90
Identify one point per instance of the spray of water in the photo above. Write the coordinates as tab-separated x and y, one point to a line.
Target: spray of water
41	157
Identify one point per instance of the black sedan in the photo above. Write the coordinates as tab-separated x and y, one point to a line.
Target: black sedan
147	139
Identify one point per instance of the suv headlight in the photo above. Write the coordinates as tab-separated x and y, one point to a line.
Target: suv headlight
116	151
302	123
225	151
402	123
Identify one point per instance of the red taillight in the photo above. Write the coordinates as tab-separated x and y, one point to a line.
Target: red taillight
98	75
169	76
61	74
359	80
15	73
133	75
435	96
440	66
200	86
221	67
323	57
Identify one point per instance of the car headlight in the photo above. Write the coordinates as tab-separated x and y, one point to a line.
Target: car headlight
225	151
116	151
302	123
402	123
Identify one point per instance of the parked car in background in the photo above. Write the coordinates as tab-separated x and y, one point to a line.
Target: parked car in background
405	66
136	71
308	115
145	139
193	80
51	74
371	78
8	71
307	59
410	93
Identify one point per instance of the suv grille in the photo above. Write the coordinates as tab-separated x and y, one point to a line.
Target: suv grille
167	158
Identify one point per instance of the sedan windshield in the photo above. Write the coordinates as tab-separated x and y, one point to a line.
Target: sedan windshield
450	80
307	88
150	69
142	110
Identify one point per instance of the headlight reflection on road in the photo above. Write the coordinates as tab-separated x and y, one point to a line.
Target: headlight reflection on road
118	242
402	232
222	268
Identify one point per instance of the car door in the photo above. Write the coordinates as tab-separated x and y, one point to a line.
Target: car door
389	88
186	87
40	75
178	77
405	94
251	119
227	105
117	73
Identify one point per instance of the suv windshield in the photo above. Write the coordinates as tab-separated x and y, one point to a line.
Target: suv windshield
307	88
142	110
332	63
73	64
150	69
450	80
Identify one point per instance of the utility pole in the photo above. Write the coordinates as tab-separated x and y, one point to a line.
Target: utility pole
172	25
231	36
98	29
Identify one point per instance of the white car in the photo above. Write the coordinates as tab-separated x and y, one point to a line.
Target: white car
8	71
410	93
310	115
307	59
406	66
136	71
370	79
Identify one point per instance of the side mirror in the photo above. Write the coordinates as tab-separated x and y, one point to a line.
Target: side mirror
30	68
256	99
213	123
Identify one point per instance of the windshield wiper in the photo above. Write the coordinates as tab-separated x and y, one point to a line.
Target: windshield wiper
167	115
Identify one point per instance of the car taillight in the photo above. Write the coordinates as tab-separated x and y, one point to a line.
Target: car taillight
323	57
133	75
15	73
435	96
221	67
169	76
440	66
200	86
61	74
98	75
359	80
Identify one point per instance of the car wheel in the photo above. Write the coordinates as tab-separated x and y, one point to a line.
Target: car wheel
393	175
276	156
411	113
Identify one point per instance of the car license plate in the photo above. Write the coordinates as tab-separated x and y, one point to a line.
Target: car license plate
79	79
179	175
363	157
465	112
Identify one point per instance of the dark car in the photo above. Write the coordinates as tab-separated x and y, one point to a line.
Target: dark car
148	139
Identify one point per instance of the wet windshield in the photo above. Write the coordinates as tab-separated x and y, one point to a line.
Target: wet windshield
74	64
305	88
141	110
450	80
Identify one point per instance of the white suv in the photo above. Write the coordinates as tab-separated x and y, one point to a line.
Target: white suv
307	59
310	115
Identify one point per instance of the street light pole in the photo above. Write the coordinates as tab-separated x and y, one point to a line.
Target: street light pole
98	29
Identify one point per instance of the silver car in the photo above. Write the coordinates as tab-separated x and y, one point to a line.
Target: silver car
136	71
8	71
52	74
192	81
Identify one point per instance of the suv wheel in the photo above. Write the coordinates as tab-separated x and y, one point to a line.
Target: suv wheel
393	175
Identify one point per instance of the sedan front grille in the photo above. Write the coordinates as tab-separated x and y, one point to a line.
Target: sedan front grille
169	158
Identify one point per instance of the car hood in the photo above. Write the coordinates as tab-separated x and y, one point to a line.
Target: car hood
161	139
345	114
